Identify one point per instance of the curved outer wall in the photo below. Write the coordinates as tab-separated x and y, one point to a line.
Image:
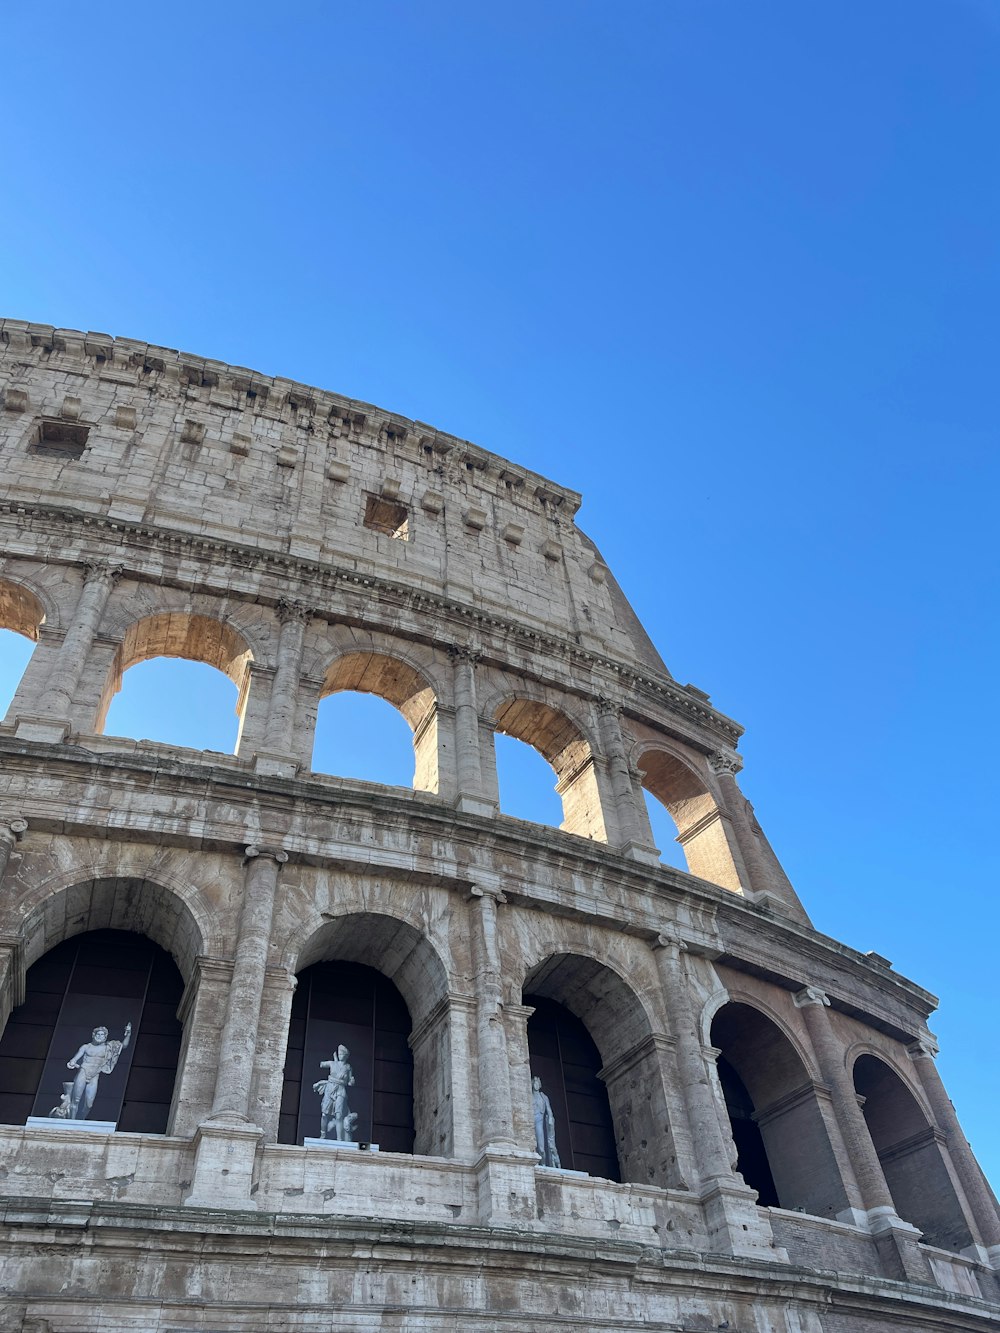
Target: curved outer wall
155	503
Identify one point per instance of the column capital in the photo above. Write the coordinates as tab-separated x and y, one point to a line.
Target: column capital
99	570
811	995
12	828
608	707
478	891
924	1048
463	652
725	761
290	611
254	850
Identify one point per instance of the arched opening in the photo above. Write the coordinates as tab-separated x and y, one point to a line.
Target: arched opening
377	755
21	615
374	980
361	736
697	824
178	702
567	751
665	832
783	1149
348	1008
565	1059
111	982
527	783
911	1153
591	1043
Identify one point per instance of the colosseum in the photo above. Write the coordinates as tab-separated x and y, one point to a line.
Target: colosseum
288	1051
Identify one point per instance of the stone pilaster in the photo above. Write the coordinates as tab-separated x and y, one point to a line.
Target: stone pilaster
978	1195
634	834
275	755
54	717
769	885
226	1144
496	1125
735	1226
239	1029
874	1209
12	969
472	795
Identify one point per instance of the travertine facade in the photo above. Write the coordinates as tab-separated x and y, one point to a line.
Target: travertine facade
155	504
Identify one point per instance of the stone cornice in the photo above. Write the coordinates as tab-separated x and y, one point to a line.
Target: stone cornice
315	578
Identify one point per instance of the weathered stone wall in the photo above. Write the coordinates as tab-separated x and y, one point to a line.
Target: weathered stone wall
158	504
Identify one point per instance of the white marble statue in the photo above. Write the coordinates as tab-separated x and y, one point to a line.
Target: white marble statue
545	1125
94	1058
335	1113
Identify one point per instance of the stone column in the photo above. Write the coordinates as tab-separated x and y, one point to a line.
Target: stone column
468	756
12	969
768	882
978	1195
227	1143
713	1161
505	1173
239	1028
734	1223
64	677
276	753
496	1124
634	833
870	1191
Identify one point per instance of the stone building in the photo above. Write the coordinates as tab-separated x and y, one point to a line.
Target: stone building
752	1134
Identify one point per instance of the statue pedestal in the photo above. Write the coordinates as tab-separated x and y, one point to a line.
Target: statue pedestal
88	1126
339	1143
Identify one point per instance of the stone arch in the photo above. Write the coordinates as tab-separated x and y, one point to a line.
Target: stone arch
183	634
22	612
566	746
59	908
22	608
771	1096
617	1019
406	957
912	1153
392	676
703	829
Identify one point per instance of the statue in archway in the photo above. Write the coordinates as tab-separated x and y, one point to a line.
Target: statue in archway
335	1113
94	1058
545	1125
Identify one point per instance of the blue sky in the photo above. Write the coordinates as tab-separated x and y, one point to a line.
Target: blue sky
728	268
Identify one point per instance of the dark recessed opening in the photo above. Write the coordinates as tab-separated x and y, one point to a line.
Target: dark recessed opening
387	516
60	439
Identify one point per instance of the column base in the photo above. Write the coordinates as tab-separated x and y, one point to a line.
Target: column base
505	1177
736	1225
643	852
475	805
225	1151
48	730
271	764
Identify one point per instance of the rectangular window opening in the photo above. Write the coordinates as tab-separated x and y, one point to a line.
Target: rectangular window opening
59	439
388	517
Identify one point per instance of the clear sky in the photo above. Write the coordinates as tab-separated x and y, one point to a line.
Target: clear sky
728	268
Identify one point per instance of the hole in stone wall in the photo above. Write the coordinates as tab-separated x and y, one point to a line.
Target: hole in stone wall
59	439
388	517
176	702
361	736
